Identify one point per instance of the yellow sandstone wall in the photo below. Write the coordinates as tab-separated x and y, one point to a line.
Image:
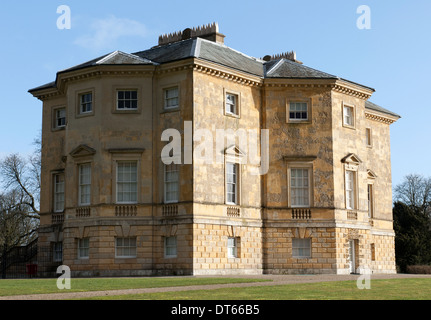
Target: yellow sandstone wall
202	221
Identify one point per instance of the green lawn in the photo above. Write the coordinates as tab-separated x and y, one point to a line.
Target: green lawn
40	286
394	289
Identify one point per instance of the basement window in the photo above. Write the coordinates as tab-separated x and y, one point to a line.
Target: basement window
170	244
125	247
83	248
232	247
301	248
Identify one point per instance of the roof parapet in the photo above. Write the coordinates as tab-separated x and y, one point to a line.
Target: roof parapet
209	32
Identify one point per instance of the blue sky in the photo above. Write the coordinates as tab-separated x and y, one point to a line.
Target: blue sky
393	56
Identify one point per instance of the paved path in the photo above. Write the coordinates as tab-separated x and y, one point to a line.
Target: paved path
276	280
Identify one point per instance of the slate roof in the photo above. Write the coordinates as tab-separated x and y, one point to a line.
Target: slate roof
284	68
119	57
216	53
113	58
206	50
372	106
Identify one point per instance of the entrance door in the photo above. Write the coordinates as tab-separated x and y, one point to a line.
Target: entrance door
352	256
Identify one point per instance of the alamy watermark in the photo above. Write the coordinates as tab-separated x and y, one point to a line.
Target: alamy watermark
364	20
64	280
364	280
64	21
243	144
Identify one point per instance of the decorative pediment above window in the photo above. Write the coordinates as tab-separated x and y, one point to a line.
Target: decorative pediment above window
234	150
82	151
234	154
351	158
371	174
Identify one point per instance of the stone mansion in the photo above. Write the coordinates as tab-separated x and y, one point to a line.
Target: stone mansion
111	205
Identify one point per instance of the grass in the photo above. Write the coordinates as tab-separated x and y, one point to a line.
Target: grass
393	289
388	289
43	286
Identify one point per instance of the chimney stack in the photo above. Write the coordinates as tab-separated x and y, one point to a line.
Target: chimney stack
209	32
290	55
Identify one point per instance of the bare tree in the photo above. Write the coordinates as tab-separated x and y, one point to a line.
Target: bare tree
19	176
19	200
415	191
16	225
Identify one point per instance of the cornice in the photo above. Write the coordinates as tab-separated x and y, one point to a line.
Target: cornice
46	94
222	72
299	83
201	66
379	117
336	85
67	76
352	89
103	70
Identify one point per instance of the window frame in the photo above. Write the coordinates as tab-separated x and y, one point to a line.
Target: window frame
351	107
80	103
297	248
81	184
169	246
370	198
56	193
289	111
304	165
368	137
131	246
373	251
237	111
117	99
298	188
117	163
236	183
56	118
57	251
232	250
354	191
165	98
81	248
176	182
